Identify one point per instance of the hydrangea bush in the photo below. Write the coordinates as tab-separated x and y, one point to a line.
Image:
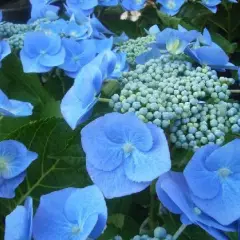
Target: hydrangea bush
105	136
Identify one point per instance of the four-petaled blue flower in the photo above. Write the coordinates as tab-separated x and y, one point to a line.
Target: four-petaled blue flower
14	160
4	50
78	54
133	5
108	2
70	213
174	194
19	222
123	154
121	65
171	7
41	52
14	108
213	178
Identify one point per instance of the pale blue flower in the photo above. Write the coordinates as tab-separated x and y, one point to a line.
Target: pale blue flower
45	55
123	154
133	5
71	213
14	108
174	194
18	224
5	50
78	54
213	178
171	7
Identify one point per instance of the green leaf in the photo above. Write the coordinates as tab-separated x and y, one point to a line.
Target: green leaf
117	220
167	20
110	87
19	85
51	109
49	137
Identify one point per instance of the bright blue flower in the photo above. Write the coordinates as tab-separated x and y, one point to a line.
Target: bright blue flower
70	213
121	65
175	45
211	4
108	2
8	186
56	27
153	53
78	32
14	160
103	44
4	50
44	11
205	38
120	39
171	7
78	54
14	108
99	30
213	178
174	194
18	224
153	30
133	5
86	5
123	154
45	55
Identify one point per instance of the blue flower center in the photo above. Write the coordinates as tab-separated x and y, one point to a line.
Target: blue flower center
224	172
128	148
171	4
76	229
42	52
197	211
3	164
75	58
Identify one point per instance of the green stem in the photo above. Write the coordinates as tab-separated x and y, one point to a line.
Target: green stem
104	100
152	206
179	231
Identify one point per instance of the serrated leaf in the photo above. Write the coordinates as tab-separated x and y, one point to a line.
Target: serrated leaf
49	137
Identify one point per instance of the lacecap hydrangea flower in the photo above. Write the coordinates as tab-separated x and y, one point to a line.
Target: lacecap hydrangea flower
18	224
175	195
133	5
70	213
41	52
171	7
123	154
14	160
14	108
213	178
4	50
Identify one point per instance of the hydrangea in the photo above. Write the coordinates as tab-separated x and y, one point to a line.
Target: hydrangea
14	160
121	65
44	11
174	194
171	7
4	50
59	217
123	155
103	44
78	54
18	224
108	2
86	6
153	30
14	108
45	55
55	27
133	5
213	178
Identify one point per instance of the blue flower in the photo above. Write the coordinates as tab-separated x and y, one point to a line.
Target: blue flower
14	108
77	104
18	224
153	53
120	39
78	32
55	27
171	7
123	155
103	44
99	30
44	11
108	2
211	4
174	194
133	5
213	178
70	213
45	55
153	30
4	50
120	66
78	54
85	5
14	160
1	15
40	2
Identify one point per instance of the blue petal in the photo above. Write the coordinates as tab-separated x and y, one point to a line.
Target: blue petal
21	109
83	4
101	152
108	2
133	5
103	44
205	38
114	183
168	11
153	30
146	166
154	53
16	157
120	39
5	49
213	9
7	187
201	181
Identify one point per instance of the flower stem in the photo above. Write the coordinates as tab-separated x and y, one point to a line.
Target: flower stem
152	206
104	100
179	231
